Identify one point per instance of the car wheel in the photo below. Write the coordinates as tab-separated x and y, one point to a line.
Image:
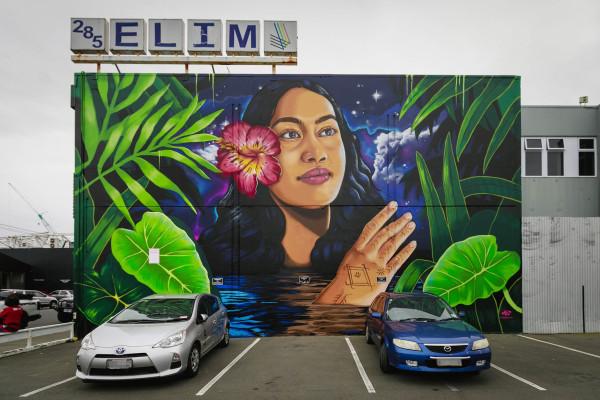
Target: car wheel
65	317
225	341
52	304
193	365
368	335
384	363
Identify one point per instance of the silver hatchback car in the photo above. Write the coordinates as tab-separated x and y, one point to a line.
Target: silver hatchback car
157	336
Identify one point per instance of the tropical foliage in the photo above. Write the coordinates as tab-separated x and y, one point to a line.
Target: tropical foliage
132	125
473	116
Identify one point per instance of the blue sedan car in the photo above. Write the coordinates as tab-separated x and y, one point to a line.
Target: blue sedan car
421	332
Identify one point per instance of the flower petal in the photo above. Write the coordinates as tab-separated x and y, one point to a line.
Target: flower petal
246	183
236	133
269	171
264	140
229	163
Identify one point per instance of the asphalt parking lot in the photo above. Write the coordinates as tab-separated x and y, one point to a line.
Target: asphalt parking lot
319	367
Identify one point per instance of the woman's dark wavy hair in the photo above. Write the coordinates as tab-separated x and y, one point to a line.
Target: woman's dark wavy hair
256	226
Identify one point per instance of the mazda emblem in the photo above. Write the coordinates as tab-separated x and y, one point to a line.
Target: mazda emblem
120	350
447	349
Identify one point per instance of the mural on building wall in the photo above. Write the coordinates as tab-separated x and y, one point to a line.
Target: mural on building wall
297	199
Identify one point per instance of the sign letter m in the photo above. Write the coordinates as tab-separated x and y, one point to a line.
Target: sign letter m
243	37
234	33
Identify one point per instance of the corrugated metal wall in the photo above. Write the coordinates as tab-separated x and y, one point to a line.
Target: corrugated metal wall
561	275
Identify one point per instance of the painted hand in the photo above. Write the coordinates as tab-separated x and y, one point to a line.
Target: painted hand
370	264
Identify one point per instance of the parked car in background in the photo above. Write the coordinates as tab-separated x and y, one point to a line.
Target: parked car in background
32	307
157	336
44	299
60	294
64	309
421	332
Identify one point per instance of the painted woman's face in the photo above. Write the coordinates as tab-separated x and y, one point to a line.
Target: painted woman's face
312	154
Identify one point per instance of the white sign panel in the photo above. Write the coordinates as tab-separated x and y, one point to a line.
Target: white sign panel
281	38
153	256
165	36
89	35
243	37
204	36
128	36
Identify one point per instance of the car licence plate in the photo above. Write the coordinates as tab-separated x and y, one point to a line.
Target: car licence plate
449	362
119	363
67	310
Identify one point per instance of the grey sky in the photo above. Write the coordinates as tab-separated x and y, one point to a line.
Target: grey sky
553	45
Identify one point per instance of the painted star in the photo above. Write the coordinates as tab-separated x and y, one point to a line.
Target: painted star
376	96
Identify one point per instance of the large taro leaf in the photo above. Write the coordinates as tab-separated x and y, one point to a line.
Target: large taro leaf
179	269
109	290
470	270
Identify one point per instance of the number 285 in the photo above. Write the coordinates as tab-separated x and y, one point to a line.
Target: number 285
88	33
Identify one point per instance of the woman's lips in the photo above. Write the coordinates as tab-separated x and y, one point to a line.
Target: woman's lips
315	176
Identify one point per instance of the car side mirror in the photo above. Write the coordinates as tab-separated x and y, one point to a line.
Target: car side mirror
202	318
462	314
376	315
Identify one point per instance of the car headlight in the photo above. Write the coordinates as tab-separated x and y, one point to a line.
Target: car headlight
481	344
406	344
173	340
87	343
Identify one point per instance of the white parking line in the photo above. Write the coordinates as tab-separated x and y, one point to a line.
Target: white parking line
449	386
363	374
518	377
47	387
562	347
220	374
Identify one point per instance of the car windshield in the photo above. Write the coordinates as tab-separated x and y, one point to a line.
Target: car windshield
156	310
419	309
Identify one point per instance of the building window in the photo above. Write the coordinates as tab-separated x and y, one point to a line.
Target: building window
587	157
556	157
533	156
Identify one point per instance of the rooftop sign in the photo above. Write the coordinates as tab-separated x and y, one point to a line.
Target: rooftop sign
168	37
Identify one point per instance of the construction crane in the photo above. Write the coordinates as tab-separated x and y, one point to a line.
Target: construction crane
48	227
44	239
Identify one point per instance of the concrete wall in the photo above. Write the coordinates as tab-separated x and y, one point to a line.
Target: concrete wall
561	197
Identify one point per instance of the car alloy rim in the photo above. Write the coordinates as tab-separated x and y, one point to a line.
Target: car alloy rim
195	359
227	335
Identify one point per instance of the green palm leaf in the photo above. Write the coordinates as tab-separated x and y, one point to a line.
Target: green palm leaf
141	85
438	228
148	127
412	274
489	185
494	89
138	190
506	123
423	86
160	180
456	208
116	197
447	92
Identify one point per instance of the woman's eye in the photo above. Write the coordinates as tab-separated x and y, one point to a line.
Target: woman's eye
327	132
289	135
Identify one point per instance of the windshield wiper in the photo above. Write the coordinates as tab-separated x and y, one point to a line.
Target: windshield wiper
450	319
415	319
137	321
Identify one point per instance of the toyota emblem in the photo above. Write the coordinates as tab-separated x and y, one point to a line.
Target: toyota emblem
447	349
120	350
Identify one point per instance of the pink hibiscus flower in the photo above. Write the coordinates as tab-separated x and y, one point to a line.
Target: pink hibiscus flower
248	154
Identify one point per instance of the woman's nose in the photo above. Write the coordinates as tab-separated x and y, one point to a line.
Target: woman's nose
313	154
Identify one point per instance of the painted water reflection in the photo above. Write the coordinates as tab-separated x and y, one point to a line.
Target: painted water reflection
278	304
